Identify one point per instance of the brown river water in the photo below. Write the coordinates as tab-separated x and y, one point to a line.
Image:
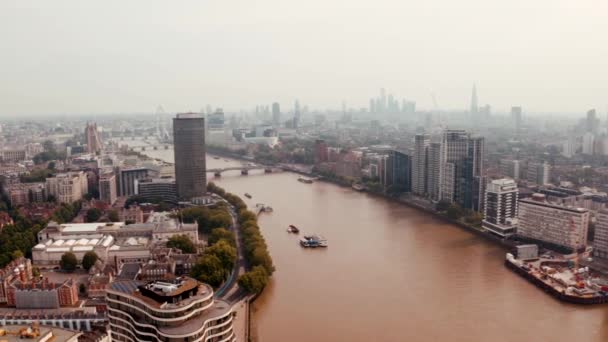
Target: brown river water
390	273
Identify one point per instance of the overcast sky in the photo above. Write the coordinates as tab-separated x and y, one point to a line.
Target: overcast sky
131	56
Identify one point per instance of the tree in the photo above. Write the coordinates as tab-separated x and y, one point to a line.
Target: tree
225	253
89	259
442	205
219	234
93	215
255	280
474	219
208	269
113	216
183	243
17	254
51	165
68	262
455	212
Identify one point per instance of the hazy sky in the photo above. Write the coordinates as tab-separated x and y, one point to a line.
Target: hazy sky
131	56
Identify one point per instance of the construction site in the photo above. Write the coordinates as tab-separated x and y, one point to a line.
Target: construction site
562	276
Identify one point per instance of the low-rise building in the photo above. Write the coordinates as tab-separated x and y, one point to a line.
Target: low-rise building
560	226
20	268
38	333
41	294
113	242
154	189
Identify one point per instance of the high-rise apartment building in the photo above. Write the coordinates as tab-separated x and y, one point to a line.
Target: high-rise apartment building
420	167
461	168
538	173
500	207
433	167
553	224
107	188
176	310
190	153
67	187
510	168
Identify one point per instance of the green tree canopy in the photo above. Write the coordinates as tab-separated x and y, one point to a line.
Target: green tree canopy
255	280
225	252
208	269
89	259
219	234
93	215
68	262
455	212
183	243
113	216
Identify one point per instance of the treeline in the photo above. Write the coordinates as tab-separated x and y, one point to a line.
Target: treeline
255	248
208	218
219	258
18	239
66	212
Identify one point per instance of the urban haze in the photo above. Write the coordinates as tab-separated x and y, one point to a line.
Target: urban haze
306	171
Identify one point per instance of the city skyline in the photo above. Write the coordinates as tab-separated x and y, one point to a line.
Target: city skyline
119	60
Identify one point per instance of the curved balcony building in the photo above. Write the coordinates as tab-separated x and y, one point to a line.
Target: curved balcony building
182	310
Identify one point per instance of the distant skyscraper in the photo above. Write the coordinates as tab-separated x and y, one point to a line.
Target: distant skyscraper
216	119
569	147
420	164
190	153
516	118
297	115
592	121
474	105
500	209
93	139
588	143
276	114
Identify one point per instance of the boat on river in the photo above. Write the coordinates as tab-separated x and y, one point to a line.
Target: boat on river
247	195
305	180
313	241
293	229
358	187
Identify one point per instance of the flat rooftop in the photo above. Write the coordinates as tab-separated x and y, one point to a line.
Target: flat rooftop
46	333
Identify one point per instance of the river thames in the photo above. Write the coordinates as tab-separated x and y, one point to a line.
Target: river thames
390	273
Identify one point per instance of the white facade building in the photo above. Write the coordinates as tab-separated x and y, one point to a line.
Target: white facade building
500	207
557	225
67	187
